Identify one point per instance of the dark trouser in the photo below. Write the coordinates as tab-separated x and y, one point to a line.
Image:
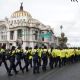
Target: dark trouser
75	58
26	64
57	60
0	62
63	61
12	65
51	62
40	61
30	62
72	59
19	63
6	66
44	65
35	66
67	60
79	57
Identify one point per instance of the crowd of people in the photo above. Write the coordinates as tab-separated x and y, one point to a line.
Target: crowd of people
36	58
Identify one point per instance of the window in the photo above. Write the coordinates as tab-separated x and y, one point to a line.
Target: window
36	35
19	33
3	35
23	20
43	37
11	35
18	21
11	22
14	21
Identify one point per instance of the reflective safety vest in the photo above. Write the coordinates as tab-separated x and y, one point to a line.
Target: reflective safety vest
39	52
49	51
2	50
45	50
26	54
67	55
54	52
62	53
79	52
18	50
13	53
30	51
34	51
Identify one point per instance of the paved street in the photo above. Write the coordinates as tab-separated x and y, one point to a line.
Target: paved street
68	72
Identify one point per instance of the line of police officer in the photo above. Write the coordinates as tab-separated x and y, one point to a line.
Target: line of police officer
39	57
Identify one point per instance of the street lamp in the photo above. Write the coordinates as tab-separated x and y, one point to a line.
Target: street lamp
61	27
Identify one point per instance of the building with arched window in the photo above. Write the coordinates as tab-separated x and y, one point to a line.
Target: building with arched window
22	29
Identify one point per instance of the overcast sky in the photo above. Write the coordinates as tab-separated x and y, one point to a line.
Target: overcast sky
50	12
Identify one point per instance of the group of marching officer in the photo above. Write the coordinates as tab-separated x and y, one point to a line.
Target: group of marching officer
36	58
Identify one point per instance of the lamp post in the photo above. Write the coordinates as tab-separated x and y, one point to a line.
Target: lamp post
61	27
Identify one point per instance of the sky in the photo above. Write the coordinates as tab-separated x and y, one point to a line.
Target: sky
50	12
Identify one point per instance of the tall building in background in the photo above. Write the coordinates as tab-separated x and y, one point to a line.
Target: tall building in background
22	29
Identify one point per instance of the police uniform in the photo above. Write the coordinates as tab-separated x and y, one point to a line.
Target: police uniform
0	57
19	55
63	60
35	61
59	57
55	54
44	59
12	60
26	59
30	57
3	59
51	61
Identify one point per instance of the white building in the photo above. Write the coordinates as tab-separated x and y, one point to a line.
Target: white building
22	27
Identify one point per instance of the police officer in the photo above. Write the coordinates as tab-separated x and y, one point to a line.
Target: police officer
39	53
0	57
44	59
26	59
35	61
12	60
51	59
59	54
19	55
3	59
30	57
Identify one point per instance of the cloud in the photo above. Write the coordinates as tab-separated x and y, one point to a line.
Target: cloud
49	12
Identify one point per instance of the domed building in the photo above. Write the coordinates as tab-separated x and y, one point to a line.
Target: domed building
23	30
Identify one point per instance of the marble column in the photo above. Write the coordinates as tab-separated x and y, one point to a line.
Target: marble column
8	35
15	35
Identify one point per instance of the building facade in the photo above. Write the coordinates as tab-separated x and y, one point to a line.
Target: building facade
22	29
